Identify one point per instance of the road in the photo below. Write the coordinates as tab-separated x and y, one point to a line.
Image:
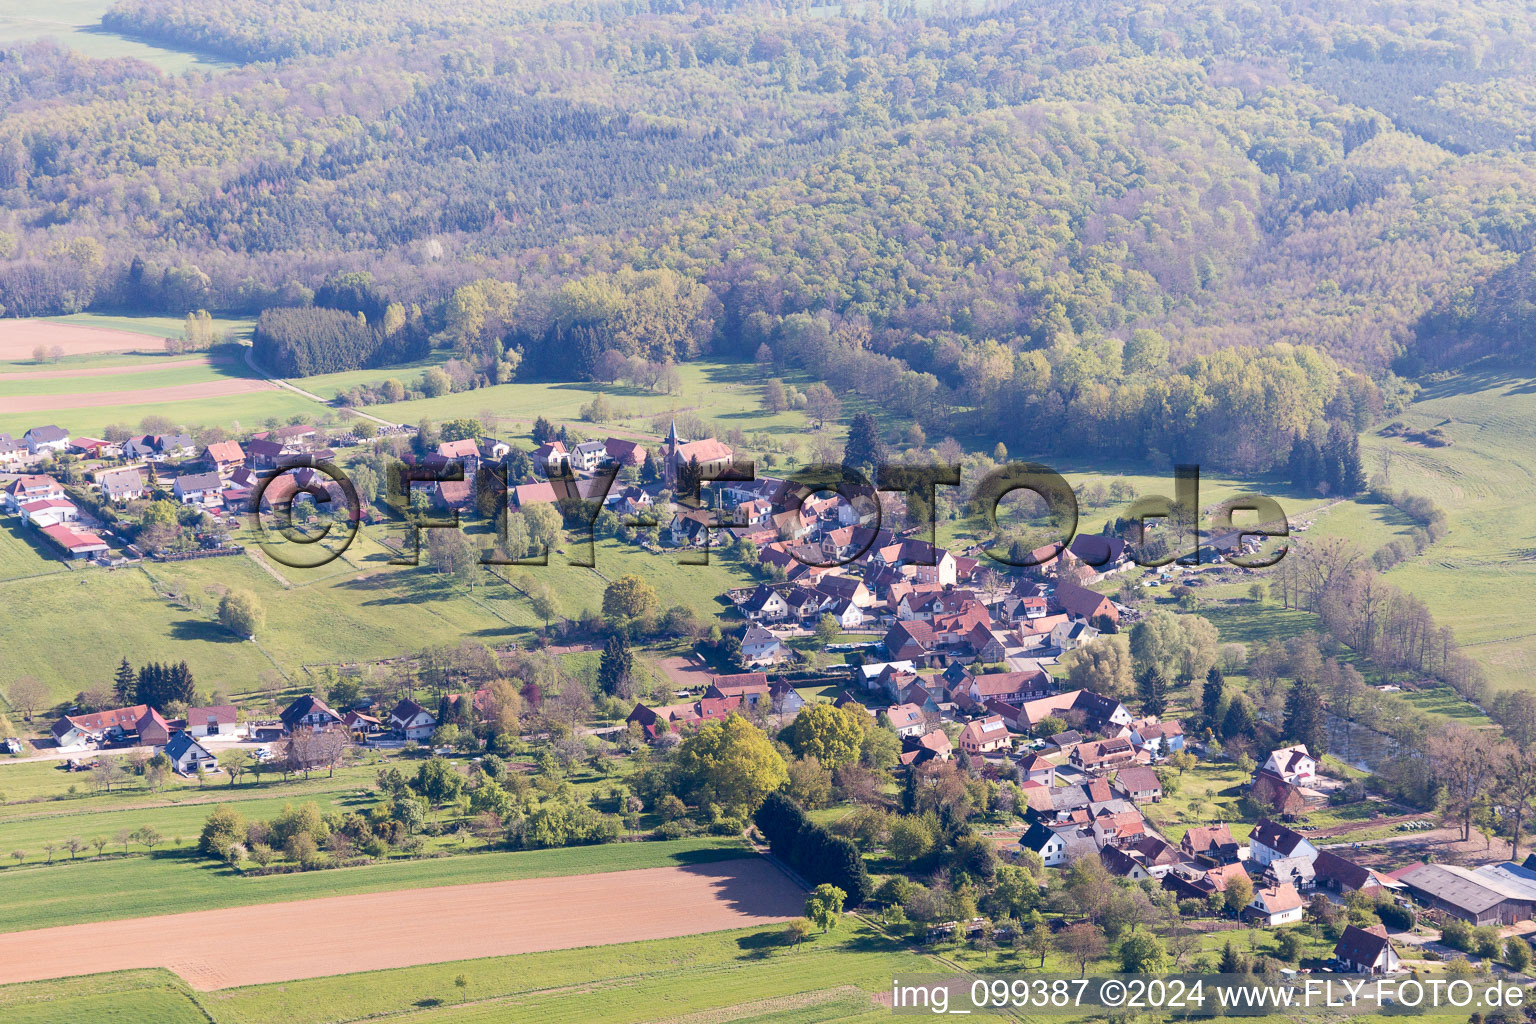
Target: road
250	360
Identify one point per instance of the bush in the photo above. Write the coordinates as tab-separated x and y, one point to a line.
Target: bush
676	829
1396	917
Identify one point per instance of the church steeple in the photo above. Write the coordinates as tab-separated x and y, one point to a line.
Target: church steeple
672	435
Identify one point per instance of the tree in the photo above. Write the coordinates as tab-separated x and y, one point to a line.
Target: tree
797	931
809	783
730	763
825	905
546	603
822	404
1014	891
149	837
26	695
629	598
864	450
1517	791
1304	722
1238	893
616	669
234	763
1142	953
1082	943
221	829
1104	666
123	684
911	838
241	613
830	734
437	781
452	553
827	629
1466	761
1039	941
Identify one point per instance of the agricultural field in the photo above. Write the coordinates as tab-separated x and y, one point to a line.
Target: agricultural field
739	975
172	880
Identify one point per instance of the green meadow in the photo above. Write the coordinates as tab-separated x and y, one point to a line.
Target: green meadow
1480	579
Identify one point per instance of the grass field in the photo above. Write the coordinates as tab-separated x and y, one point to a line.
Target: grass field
1481	577
170	881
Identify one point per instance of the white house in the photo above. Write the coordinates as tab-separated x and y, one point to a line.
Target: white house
1070	635
765	605
413	721
215	720
30	487
50	512
197	488
121	484
1367	951
187	755
46	440
588	455
1271	841
1276	905
907	719
1293	764
759	647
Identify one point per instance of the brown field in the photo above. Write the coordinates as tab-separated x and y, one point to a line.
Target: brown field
19	337
145	396
103	371
273	942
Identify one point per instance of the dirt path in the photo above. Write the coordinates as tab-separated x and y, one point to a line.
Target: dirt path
250	360
273	942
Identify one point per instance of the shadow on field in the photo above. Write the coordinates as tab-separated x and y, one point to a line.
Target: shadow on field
202	629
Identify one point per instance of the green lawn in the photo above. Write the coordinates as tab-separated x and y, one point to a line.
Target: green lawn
1208	793
170	881
22	553
129	379
125	997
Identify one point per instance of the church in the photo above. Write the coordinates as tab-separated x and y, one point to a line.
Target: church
714	456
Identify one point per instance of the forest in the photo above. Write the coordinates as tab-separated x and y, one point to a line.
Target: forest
1209	232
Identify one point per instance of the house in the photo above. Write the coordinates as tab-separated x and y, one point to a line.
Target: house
1070	635
1293	764
175	446
1009	687
361	724
523	495
1275	905
932	744
1123	864
1213	843
588	455
1096	711
1103	553
785	699
121	484
114	726
412	721
1037	769
465	451
50	512
49	440
910	640
1270	790
846	588
1057	846
1079	602
214	720
984	735
309	711
624	453
691	526
76	544
1159	737
765	604
750	687
294	434
1366	951
224	457
1199	881
1271	841
1139	784
264	454
1103	755
1295	870
908	720
551	458
31	487
187	755
760	647
1343	876
94	448
1064	742
197	488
